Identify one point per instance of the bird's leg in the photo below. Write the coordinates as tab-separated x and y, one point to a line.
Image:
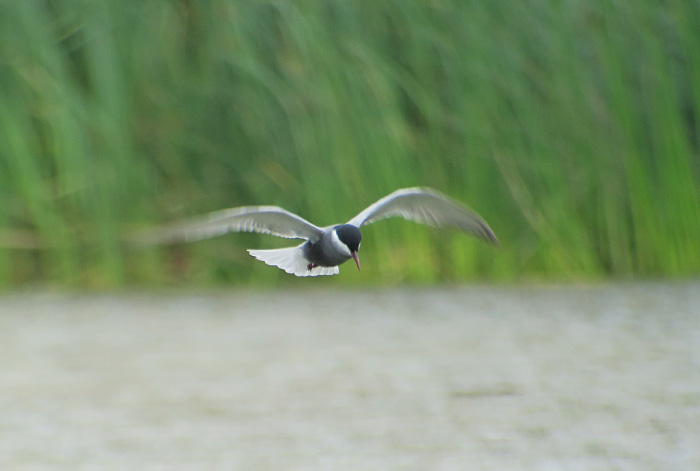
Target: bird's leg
311	266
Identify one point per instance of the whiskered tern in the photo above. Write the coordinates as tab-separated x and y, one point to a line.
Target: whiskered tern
324	248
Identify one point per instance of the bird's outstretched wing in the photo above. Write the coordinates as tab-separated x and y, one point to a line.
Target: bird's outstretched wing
263	219
429	207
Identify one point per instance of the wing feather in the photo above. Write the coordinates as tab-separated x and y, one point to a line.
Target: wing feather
262	219
426	206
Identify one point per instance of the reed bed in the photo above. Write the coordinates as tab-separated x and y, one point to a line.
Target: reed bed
573	127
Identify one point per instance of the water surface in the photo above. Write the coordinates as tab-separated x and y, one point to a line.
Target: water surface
474	378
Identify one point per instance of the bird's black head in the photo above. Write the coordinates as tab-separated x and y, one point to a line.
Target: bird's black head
349	235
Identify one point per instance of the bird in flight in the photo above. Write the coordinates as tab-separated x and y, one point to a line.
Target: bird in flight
324	248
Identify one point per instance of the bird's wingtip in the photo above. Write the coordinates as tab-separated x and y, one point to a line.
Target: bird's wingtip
490	238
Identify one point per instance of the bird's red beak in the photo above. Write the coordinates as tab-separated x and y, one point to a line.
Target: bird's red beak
357	260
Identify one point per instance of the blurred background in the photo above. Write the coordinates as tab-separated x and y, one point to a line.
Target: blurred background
572	127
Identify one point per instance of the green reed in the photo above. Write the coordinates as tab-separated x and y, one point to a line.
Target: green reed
572	127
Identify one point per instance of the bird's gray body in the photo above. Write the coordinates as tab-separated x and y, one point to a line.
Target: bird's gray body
323	253
335	247
325	248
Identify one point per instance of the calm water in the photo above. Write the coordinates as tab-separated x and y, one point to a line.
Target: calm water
562	378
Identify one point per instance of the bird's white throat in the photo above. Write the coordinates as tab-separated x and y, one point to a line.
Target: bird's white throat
339	245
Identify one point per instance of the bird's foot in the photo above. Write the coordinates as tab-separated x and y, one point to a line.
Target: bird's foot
311	266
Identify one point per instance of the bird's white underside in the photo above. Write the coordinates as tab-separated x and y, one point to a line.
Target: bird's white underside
291	260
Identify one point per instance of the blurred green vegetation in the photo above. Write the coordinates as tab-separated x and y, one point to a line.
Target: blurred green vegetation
572	126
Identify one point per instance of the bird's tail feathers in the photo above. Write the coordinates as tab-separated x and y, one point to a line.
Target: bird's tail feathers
291	260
